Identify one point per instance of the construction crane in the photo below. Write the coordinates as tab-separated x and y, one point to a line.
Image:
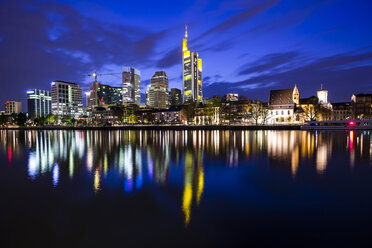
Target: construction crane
94	86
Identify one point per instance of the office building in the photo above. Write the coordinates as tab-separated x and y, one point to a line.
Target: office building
192	74
102	94
175	97
157	91
39	103
66	99
232	97
13	107
131	78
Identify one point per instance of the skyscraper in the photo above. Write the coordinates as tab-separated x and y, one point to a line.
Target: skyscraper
66	99
39	103
157	91
131	85
100	94
175	97
13	107
192	74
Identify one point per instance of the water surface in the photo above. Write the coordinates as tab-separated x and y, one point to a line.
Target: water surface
185	188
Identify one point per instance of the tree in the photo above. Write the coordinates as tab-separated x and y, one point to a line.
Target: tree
149	117
3	119
190	111
133	119
21	119
66	119
229	113
312	111
256	110
51	119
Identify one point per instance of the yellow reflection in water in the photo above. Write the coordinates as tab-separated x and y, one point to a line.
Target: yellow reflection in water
200	185
187	192
96	181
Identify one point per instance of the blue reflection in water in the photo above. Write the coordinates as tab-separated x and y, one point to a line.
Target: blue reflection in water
193	166
55	174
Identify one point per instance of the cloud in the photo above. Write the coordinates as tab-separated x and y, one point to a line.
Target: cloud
269	62
241	17
53	40
352	70
171	58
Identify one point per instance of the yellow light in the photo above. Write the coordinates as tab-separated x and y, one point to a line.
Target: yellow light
188	77
186	54
187	92
184	44
200	64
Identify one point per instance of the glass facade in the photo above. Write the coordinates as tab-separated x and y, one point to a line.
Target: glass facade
131	78
39	103
192	74
66	99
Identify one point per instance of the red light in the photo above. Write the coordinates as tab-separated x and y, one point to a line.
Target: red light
351	123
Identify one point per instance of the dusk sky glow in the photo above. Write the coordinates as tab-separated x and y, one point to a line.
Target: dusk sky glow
247	47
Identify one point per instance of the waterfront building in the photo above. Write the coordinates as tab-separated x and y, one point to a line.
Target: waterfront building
342	111
131	79
232	97
175	97
66	99
157	91
173	115
361	105
13	107
192	74
102	94
39	103
282	105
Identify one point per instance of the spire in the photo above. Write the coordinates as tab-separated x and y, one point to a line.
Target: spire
186	32
321	86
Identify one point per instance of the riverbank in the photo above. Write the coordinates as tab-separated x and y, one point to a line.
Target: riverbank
161	127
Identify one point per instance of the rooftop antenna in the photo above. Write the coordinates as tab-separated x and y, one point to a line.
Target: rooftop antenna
186	32
321	86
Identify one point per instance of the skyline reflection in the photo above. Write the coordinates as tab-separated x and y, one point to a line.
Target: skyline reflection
133	160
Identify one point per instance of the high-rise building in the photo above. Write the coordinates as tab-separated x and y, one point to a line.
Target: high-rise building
175	98
131	85
66	99
100	94
157	91
39	103
232	97
13	107
192	74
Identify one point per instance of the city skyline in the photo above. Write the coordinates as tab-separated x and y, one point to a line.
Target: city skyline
313	45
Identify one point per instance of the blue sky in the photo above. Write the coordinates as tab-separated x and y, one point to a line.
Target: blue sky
248	47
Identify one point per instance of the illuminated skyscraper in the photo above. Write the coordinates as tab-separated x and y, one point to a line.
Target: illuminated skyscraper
157	91
101	94
175	97
192	74
13	107
131	85
66	99
39	103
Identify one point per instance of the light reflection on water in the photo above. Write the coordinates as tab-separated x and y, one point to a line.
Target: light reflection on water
144	157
